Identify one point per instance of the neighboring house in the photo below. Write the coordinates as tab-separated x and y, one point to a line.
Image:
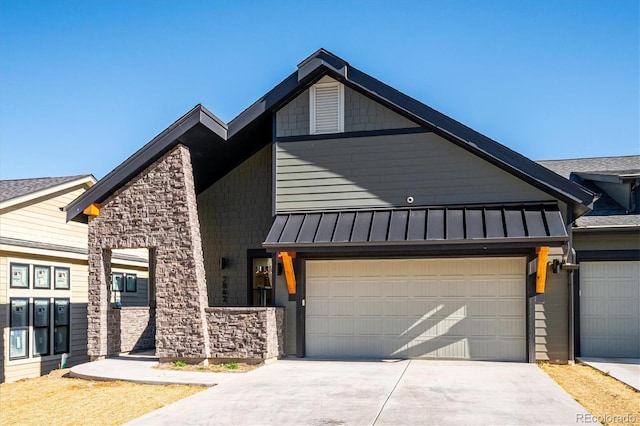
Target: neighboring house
607	242
43	276
337	217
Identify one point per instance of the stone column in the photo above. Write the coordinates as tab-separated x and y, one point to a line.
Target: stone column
98	297
155	209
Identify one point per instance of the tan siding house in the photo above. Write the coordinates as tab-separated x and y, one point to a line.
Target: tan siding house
43	276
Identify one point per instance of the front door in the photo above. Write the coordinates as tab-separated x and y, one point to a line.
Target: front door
261	281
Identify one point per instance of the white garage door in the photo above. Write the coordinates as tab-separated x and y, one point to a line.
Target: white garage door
610	309
417	308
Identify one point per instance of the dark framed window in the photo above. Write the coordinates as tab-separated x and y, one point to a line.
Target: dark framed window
19	275
117	281
61	316
41	326
62	278
131	284
19	328
41	276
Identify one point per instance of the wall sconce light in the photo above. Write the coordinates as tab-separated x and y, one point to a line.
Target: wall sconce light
223	263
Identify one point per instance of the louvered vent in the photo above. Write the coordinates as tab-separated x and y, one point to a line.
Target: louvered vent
327	111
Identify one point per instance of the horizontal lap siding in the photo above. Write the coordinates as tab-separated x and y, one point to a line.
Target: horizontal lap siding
45	223
382	171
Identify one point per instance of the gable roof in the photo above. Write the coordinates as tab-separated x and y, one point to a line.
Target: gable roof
606	213
597	165
17	191
217	148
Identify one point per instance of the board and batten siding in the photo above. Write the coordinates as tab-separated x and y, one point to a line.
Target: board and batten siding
382	171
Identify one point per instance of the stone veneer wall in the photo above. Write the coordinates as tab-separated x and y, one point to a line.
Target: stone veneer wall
157	208
131	329
235	215
246	333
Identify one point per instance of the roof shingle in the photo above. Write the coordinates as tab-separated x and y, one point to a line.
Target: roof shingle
10	189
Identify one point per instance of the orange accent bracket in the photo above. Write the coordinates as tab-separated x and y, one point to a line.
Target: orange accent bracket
92	210
541	270
287	262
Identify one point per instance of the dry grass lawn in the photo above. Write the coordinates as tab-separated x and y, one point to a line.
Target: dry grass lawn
602	395
58	400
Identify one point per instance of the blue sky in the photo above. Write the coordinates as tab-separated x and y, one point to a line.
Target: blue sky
84	84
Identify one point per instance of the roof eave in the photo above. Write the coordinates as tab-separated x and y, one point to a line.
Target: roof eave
422	244
155	148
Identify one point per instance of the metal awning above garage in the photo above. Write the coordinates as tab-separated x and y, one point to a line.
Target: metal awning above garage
424	226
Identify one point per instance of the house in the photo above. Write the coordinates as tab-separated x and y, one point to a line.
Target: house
337	217
607	243
44	275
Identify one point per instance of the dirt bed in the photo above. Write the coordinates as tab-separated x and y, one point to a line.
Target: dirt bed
610	401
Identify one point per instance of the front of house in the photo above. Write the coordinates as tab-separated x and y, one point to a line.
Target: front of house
337	218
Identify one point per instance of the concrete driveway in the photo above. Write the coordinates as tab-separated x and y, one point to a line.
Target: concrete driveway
310	392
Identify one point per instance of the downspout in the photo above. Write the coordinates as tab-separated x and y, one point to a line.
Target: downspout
571	258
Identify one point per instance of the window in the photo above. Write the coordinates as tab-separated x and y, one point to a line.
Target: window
62	278
41	277
39	310
19	331
131	284
61	326
19	275
326	108
41	326
117	281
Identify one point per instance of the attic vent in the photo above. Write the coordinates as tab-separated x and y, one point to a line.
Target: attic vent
327	108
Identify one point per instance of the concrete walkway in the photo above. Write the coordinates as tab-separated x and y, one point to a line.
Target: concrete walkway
627	370
313	392
140	370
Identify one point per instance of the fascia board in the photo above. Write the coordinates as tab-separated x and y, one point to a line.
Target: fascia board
144	156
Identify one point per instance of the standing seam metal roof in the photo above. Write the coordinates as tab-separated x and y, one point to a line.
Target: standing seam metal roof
419	226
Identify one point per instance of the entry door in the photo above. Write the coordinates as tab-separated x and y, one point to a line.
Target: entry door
417	308
261	277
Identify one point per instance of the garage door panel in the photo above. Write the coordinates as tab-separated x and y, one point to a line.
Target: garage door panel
439	308
429	305
320	309
341	326
610	309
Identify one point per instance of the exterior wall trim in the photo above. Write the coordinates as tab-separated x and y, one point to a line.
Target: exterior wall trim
358	134
530	296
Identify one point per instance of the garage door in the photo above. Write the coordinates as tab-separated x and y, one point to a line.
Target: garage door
610	309
416	308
